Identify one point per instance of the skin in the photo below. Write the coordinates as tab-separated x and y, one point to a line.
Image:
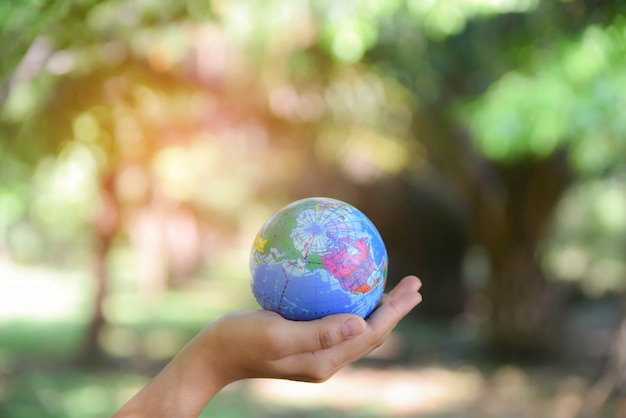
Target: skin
256	344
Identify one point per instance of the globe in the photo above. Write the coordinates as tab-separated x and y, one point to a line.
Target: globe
316	257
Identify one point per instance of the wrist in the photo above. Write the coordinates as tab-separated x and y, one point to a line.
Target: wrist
182	389
194	378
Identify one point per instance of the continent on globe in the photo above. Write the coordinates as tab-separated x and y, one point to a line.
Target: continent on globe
352	270
316	257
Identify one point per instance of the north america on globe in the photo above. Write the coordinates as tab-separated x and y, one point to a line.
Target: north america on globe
316	257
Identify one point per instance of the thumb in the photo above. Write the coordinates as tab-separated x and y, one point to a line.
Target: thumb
324	333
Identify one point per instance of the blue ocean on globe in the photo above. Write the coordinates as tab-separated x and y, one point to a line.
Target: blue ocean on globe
316	257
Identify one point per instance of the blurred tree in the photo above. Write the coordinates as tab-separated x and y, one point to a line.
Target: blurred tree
59	87
532	130
487	109
562	107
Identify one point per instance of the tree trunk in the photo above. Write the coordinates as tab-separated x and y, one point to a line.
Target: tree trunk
511	222
508	207
106	227
525	307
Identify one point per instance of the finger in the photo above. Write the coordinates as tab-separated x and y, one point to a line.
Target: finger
335	329
328	335
309	336
408	284
324	363
387	316
320	334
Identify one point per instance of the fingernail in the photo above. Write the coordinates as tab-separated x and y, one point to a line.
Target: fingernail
352	327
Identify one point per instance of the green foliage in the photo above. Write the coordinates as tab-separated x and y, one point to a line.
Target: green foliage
350	29
359	74
208	113
589	237
440	19
569	95
20	23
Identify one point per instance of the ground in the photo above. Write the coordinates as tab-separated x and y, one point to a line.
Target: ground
426	368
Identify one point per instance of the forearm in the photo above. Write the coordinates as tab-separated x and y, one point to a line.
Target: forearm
181	390
264	344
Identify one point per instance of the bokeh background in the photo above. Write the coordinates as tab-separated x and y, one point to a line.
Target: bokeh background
143	144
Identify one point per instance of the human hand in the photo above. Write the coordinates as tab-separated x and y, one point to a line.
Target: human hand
264	344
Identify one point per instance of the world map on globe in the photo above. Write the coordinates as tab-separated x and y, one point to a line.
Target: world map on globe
316	257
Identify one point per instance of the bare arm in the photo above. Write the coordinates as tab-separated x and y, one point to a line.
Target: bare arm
263	344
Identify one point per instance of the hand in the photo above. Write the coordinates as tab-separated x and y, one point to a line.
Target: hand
263	344
268	345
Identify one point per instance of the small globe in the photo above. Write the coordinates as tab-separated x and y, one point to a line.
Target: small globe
316	257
